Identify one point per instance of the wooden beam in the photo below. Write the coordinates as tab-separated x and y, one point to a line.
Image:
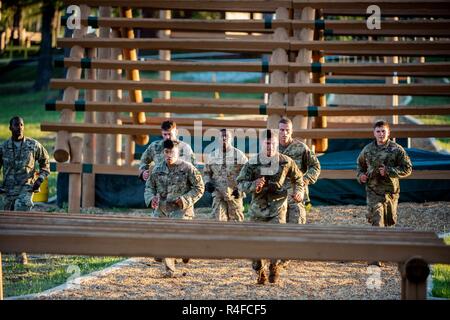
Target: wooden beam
363	4
405	12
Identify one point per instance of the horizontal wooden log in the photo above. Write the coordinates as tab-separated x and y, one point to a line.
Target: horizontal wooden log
376	89
363	4
211	240
415	12
421	131
310	111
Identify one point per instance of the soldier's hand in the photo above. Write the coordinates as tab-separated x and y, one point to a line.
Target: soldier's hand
155	202
382	170
179	202
145	175
363	178
235	193
209	187
37	184
298	197
260	184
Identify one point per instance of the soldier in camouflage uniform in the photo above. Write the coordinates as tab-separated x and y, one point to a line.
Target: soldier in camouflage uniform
18	156
174	186
221	170
306	161
264	177
154	153
380	165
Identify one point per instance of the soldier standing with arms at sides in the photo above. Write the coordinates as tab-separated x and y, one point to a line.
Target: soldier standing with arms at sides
264	177
18	156
221	170
154	152
306	161
380	165
172	189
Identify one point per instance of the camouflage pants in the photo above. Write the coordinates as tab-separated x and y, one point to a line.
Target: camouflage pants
21	202
169	263
296	212
265	264
227	210
382	209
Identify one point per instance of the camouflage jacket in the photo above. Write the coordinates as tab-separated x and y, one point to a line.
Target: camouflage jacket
275	185
155	153
182	181
305	159
19	164
222	169
393	156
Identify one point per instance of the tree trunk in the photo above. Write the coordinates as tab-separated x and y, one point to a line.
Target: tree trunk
45	67
17	26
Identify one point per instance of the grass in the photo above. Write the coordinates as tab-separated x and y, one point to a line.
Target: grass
441	278
45	272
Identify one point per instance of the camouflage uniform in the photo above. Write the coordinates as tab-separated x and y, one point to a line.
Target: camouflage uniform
182	181
383	192
155	153
269	205
19	171
308	163
221	169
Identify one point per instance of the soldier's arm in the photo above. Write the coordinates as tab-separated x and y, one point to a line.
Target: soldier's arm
404	165
197	189
191	155
42	158
296	176
246	180
313	166
361	165
146	158
150	190
207	173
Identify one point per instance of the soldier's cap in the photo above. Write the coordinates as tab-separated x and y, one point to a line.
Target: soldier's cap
169	144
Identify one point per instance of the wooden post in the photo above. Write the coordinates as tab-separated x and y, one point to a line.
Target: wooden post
101	154
320	100
61	153
116	140
164	55
129	151
393	99
135	95
88	190
414	273
1	278
303	99
76	144
279	55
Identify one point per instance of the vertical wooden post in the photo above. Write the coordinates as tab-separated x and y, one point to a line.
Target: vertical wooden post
164	55
302	99
76	144
88	190
101	154
393	99
320	100
129	151
61	153
1	278
116	140
135	95
414	273
279	55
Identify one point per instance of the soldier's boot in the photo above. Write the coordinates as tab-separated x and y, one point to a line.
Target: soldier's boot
376	263
284	264
169	273
274	273
158	259
22	258
186	260
262	277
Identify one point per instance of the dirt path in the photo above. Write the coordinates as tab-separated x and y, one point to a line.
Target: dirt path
234	279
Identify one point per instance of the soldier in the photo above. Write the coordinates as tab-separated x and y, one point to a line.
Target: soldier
18	157
174	186
306	161
221	170
380	165
154	152
264	177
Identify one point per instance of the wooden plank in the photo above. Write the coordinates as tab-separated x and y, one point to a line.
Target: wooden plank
178	44
222	243
421	131
383	4
160	85
405	12
218	123
199	5
416	174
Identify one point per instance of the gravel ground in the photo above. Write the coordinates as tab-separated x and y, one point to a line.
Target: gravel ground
234	279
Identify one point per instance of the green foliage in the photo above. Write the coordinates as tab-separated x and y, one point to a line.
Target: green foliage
441	278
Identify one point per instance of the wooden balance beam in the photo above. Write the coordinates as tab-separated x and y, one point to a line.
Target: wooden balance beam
104	235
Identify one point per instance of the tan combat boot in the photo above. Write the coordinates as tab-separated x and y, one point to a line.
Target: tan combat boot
262	277
274	274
